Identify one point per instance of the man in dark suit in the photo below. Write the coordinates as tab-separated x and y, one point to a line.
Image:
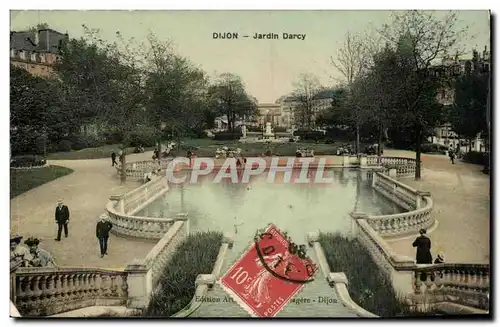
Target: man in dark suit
102	233
423	245
62	219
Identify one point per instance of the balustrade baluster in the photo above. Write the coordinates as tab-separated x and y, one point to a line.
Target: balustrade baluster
417	283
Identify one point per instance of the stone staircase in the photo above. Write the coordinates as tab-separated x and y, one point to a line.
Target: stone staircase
323	300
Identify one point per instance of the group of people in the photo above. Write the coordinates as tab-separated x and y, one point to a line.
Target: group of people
30	255
423	245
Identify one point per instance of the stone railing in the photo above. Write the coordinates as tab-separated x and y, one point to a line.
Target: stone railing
121	209
48	291
338	281
137	169
205	282
419	205
402	166
140	197
466	284
144	276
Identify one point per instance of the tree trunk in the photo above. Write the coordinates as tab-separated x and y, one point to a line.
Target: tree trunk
357	139
417	157
379	147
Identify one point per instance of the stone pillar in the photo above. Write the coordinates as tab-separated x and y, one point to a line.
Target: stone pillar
229	239
363	161
393	172
139	285
374	178
354	223
345	161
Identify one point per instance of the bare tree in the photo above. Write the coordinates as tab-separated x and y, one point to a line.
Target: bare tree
354	60
307	87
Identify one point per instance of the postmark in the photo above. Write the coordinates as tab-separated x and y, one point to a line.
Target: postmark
269	273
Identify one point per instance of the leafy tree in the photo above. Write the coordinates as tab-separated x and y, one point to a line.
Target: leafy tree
227	96
418	39
468	114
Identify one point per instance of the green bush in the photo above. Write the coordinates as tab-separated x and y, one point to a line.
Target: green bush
433	148
64	146
79	142
369	286
195	255
226	136
477	158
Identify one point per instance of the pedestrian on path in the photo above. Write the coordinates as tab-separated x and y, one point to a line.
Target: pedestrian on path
451	154
62	219
423	245
113	159
102	233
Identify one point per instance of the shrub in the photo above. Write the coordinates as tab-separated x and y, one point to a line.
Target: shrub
112	137
478	158
433	148
64	146
279	129
226	136
195	255
309	135
27	161
79	142
369	286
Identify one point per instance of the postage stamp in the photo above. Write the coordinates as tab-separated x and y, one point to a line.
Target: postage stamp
269	273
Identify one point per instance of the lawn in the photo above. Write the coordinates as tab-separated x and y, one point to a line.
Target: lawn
24	180
195	255
206	148
91	153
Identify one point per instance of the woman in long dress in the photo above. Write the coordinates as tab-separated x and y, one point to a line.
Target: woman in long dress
258	289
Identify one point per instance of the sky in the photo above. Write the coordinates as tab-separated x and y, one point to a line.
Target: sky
268	68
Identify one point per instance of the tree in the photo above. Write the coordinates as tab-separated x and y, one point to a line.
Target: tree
39	26
307	87
228	97
468	114
353	61
418	39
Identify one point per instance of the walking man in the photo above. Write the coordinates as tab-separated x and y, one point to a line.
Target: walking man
102	233
423	245
62	219
113	159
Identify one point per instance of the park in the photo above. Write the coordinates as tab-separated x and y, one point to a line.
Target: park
104	136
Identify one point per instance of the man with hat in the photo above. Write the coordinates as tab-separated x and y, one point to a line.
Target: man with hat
423	245
38	257
102	233
62	219
19	255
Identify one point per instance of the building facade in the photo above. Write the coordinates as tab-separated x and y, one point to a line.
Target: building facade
36	52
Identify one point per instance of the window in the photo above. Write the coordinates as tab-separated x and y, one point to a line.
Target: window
22	55
33	56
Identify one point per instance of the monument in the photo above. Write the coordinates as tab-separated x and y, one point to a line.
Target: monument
268	133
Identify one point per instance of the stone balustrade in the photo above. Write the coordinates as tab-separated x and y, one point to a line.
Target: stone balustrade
121	210
467	284
419	205
137	169
144	275
48	291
